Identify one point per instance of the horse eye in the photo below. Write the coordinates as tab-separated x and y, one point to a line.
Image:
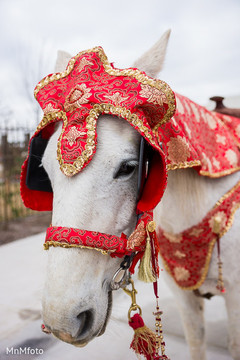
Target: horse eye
126	168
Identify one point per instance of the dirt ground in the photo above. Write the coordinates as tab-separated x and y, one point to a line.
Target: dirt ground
24	227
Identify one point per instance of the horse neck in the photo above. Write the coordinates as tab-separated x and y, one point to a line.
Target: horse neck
188	198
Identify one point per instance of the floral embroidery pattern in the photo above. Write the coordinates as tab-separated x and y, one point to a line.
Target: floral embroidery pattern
70	237
78	96
221	139
173	238
210	141
196	232
137	237
211	121
180	107
178	150
73	134
179	254
181	274
232	157
84	62
49	108
153	95
116	98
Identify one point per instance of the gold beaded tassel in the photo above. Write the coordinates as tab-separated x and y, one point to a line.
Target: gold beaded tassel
160	344
145	272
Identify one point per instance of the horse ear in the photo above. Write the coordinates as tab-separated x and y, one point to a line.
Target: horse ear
152	61
62	60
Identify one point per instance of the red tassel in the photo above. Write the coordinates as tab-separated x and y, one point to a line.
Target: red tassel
45	330
155	253
144	340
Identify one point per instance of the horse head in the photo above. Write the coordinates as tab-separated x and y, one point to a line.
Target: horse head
101	197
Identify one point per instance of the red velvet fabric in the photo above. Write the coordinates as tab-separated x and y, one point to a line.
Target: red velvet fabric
154	187
34	199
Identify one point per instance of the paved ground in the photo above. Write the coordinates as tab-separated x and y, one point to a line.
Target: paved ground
26	226
22	266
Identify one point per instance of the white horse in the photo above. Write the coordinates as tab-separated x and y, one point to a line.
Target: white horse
77	296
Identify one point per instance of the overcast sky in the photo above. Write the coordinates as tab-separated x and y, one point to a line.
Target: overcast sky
203	54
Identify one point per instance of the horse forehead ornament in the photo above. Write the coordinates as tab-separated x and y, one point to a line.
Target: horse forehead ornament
91	86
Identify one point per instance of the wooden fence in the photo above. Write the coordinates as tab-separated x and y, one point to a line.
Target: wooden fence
13	151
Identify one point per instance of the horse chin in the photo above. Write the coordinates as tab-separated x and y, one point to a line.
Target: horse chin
80	345
68	339
109	309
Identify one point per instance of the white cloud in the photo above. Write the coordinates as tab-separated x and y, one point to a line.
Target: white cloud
203	53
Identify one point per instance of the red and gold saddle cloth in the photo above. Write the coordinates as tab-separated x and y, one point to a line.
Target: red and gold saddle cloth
209	142
201	138
187	255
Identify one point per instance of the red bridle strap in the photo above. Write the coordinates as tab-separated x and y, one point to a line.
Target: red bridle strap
70	237
108	244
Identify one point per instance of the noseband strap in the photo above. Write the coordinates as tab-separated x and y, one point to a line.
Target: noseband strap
108	244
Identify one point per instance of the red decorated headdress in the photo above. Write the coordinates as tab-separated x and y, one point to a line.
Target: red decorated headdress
91	86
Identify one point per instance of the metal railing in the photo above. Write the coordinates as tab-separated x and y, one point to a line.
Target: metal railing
13	150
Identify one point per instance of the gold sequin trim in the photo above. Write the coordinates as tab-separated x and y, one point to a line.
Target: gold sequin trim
137	74
184	165
47	244
50	117
72	169
234	209
189	164
220	174
225	196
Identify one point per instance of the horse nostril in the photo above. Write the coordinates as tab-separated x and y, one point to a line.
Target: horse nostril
85	322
